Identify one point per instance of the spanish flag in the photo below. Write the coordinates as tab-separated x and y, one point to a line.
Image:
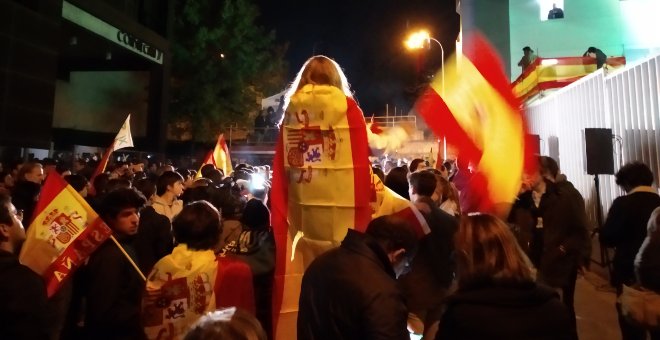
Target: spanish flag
219	157
482	119
552	73
63	234
322	186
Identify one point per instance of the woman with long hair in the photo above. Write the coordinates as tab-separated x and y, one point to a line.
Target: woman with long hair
497	296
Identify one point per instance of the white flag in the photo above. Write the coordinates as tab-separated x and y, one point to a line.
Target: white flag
124	138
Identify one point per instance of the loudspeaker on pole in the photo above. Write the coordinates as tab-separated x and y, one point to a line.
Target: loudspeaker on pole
599	151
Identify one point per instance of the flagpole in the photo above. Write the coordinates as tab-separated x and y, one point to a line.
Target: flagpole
128	257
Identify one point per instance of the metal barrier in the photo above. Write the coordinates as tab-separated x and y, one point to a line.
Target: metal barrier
268	136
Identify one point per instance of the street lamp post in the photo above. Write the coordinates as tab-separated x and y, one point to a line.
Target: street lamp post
417	41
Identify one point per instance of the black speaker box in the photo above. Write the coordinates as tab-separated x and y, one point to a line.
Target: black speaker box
599	150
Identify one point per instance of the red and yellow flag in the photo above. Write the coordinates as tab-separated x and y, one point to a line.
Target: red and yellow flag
552	73
482	119
63	234
218	157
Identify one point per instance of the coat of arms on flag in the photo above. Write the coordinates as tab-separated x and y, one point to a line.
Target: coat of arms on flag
64	232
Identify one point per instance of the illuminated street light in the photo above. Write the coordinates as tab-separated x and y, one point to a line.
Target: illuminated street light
417	40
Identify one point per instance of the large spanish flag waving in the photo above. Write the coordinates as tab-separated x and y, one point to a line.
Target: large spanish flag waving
63	234
482	119
219	157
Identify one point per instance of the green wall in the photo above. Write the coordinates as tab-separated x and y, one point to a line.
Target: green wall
586	23
491	18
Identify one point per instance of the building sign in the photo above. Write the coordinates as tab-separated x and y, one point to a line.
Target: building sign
102	28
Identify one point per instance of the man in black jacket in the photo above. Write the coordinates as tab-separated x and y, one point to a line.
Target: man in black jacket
553	228
351	293
432	269
113	287
625	230
22	291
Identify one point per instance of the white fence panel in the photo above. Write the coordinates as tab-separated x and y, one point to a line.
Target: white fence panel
626	102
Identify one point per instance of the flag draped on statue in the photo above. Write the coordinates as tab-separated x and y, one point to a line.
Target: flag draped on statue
322	186
124	139
483	121
219	157
63	234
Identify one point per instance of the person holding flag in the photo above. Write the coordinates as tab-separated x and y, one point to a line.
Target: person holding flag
22	291
113	285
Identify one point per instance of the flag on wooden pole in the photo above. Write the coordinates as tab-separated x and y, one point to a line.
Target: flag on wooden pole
124	139
63	234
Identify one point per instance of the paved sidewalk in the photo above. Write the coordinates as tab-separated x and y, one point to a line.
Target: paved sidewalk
594	306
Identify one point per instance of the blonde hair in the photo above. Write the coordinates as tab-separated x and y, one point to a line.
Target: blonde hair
486	250
319	70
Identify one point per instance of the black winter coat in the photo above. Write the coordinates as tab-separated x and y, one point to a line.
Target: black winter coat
432	269
564	225
351	293
523	311
23	294
154	239
113	292
625	230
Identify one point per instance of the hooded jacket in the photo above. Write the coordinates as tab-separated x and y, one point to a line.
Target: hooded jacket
350	293
521	311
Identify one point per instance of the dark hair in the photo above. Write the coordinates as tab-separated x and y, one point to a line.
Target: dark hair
5	214
527	48
393	233
206	170
379	172
198	226
101	183
256	215
397	180
414	164
117	183
231	205
633	175
117	200
227	323
166	179
547	165
145	186
216	176
423	182
78	182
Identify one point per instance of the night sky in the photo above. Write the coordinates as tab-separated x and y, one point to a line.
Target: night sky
366	38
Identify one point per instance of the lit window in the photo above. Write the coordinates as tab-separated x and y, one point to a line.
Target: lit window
551	9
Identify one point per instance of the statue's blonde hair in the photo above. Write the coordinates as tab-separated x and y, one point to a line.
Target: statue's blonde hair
319	70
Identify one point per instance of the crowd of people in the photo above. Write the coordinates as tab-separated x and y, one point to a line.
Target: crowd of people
384	283
198	252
